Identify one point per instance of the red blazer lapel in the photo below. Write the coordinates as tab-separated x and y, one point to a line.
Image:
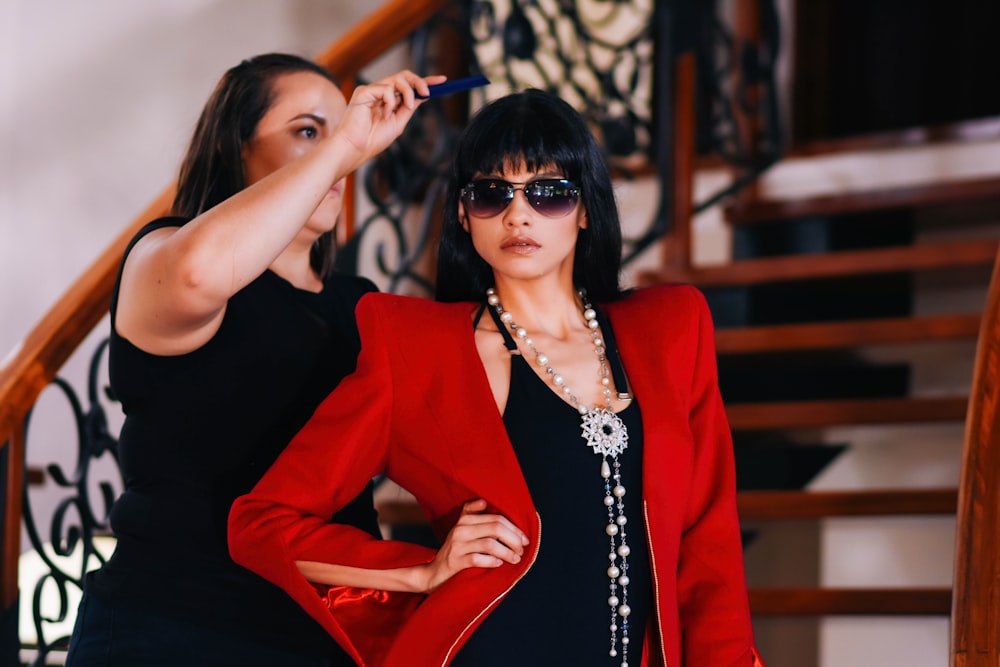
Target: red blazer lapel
463	432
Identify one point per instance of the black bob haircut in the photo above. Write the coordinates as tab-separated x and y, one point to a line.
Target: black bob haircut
536	130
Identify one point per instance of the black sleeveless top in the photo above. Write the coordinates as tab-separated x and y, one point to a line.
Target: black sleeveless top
558	613
200	429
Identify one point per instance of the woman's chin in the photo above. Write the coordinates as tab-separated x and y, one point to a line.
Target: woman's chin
325	218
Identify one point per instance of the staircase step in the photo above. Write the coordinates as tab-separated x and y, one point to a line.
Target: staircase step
768	461
816	414
776	505
958	192
923	257
957	131
846	334
850	601
809	376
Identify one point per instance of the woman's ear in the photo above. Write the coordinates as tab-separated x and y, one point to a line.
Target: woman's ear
582	221
463	219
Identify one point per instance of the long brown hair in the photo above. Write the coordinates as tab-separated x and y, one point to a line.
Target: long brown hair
212	169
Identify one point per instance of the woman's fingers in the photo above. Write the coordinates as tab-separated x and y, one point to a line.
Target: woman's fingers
474	506
409	86
402	89
476	540
500	526
378	113
491	535
491	526
481	552
484	561
403	84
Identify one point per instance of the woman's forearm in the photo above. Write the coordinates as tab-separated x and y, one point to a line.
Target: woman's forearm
414	579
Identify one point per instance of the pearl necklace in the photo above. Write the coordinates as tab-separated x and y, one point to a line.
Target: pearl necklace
607	436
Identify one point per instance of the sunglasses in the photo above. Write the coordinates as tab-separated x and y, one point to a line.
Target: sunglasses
552	197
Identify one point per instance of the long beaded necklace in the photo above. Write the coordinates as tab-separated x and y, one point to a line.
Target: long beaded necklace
607	435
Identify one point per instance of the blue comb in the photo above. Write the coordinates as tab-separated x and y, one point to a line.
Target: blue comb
456	86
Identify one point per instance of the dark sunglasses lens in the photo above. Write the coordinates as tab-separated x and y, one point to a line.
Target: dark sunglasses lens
552	198
485	198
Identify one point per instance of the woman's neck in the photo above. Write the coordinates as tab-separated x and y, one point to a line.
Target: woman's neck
547	308
294	265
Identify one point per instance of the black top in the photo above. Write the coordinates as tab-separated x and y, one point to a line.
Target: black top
558	613
200	429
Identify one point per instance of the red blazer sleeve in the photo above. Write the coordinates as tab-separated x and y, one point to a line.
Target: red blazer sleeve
285	517
711	584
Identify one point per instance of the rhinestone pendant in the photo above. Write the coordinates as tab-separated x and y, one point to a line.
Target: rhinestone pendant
604	432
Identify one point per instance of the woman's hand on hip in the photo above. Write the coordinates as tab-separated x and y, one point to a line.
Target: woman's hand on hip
476	540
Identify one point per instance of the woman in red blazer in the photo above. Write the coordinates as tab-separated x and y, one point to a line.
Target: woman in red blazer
578	527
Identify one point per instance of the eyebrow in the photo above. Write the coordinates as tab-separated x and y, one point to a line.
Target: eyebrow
311	116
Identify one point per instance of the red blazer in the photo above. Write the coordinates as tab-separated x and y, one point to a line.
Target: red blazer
419	407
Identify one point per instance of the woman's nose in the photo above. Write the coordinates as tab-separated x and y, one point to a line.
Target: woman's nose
518	211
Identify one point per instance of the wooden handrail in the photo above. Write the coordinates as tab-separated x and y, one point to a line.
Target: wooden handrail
369	39
975	611
34	363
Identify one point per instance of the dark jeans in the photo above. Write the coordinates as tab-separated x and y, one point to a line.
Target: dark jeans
106	636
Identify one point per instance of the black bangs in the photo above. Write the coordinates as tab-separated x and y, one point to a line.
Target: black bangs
529	134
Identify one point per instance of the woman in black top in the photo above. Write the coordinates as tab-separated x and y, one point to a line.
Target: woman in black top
544	431
227	329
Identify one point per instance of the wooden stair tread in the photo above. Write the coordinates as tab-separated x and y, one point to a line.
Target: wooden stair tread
844	334
771	505
816	414
782	601
964	130
910	196
923	257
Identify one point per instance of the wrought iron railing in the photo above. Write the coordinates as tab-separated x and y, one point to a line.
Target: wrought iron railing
81	514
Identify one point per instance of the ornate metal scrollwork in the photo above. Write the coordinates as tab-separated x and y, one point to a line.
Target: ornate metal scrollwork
599	56
738	80
596	54
79	517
